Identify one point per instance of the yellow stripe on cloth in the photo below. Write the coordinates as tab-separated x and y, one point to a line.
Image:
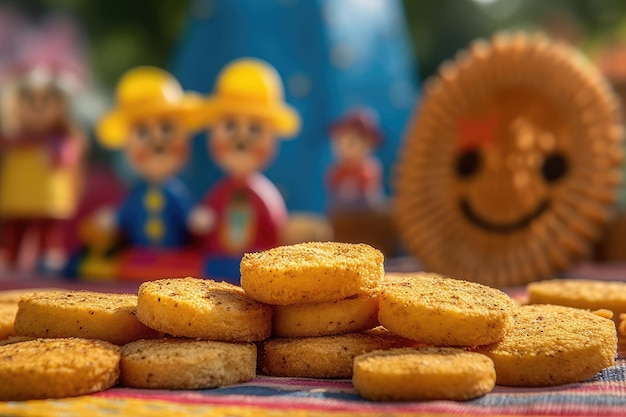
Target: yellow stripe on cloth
109	407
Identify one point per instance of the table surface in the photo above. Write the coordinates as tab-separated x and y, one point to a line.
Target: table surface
604	395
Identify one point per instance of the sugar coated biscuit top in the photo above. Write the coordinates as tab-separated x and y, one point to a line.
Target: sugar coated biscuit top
311	272
14	296
51	354
445	293
595	293
205	309
304	256
424	360
112	303
55	368
546	329
443	311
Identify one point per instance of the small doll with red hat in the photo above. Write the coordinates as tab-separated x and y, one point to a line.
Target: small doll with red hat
355	180
152	122
246	116
41	148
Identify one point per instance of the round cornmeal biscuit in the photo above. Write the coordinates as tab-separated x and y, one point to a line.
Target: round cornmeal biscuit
311	272
323	319
423	374
186	364
7	318
13	296
204	309
325	356
85	314
442	311
553	345
56	368
580	293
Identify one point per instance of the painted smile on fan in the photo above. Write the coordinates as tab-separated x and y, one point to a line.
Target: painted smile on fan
502	228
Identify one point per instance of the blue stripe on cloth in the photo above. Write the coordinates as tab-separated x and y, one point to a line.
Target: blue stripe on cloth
614	373
603	395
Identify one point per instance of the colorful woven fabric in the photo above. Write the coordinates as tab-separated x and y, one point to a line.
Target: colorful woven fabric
605	395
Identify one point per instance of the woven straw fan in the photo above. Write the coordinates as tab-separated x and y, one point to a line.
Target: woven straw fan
511	165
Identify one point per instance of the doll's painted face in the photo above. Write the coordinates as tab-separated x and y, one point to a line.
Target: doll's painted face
158	147
242	145
39	108
511	161
350	146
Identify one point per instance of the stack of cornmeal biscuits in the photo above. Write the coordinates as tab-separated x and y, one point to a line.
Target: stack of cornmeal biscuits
311	310
325	299
481	338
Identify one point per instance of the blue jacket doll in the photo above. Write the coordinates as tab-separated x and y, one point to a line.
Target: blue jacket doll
155	215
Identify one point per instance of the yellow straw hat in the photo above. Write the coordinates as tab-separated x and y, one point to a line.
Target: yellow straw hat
144	92
252	87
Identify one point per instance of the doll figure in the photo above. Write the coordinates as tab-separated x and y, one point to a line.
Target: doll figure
41	165
354	181
152	122
246	115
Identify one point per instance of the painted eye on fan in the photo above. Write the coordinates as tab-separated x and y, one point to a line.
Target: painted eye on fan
468	163
554	167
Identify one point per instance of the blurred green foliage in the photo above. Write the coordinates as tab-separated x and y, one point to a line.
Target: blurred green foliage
441	28
126	33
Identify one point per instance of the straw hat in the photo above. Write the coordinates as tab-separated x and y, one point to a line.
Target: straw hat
252	87
144	92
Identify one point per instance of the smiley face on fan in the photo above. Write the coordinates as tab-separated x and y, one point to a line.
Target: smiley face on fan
512	163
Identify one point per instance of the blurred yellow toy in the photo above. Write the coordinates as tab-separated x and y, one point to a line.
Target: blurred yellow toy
152	121
98	260
246	115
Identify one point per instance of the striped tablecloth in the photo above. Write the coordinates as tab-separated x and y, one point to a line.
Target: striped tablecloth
605	395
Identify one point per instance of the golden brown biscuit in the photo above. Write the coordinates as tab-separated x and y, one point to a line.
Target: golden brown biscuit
90	315
7	318
9	300
603	312
203	309
553	345
324	319
186	364
312	272
423	374
55	368
13	296
580	293
323	357
444	312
